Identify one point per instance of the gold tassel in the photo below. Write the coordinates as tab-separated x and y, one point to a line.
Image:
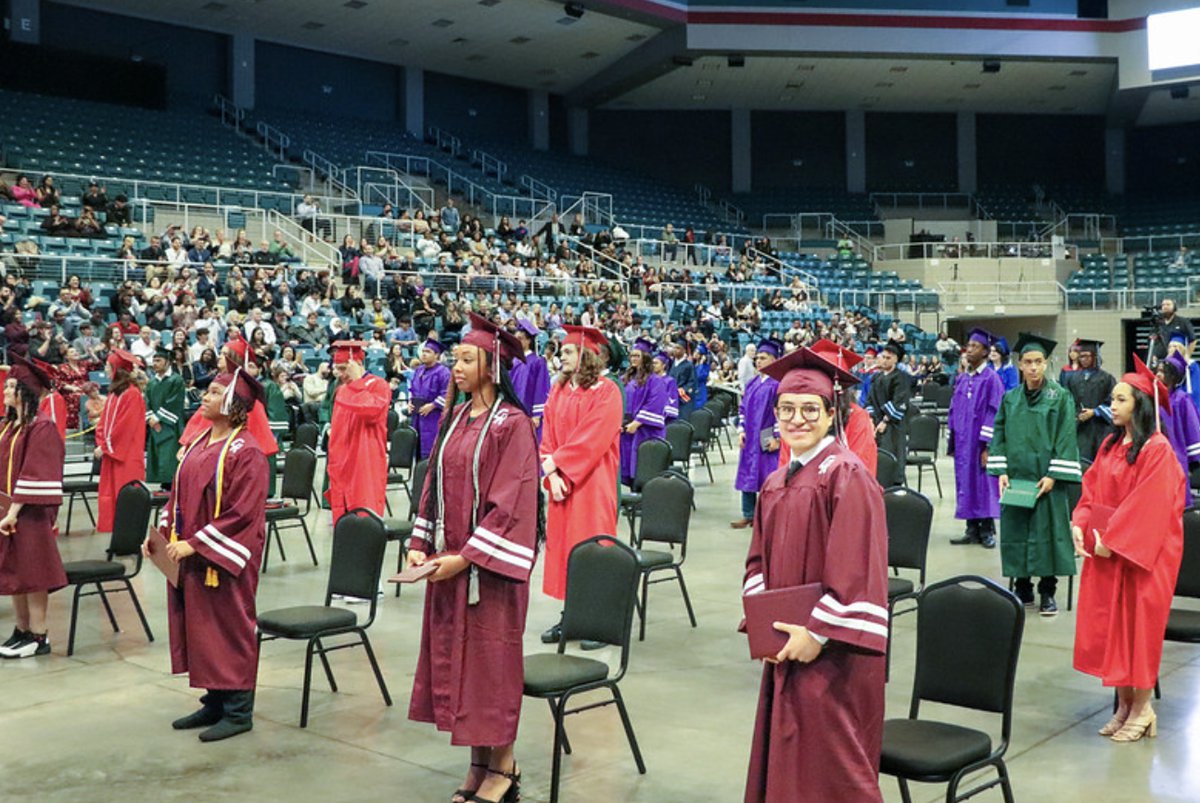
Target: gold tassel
210	579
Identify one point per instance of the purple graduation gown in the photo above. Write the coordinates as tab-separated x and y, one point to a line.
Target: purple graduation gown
757	414
1182	428
645	403
429	384
819	728
531	380
972	413
671	412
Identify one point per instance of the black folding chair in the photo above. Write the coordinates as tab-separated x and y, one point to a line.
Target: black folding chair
702	436
1183	624
909	521
923	434
602	576
307	434
968	643
680	435
654	457
354	568
299	472
131	517
79	487
717	407
887	470
402	454
667	504
400	530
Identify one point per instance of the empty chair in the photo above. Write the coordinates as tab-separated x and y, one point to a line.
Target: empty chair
307	434
654	457
667	512
702	436
680	435
299	471
1184	624
717	407
79	486
130	520
354	568
400	530
968	642
923	434
402	453
602	576
909	520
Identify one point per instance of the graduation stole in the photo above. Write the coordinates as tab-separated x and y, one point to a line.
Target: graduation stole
211	578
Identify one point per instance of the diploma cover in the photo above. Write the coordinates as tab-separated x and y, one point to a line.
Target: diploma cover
160	558
414	573
792	606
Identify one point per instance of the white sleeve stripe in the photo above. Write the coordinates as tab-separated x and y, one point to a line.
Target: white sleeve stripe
423	523
224	539
40	483
503	543
162	412
207	538
1193	448
499	554
753	580
851	624
19	491
869	608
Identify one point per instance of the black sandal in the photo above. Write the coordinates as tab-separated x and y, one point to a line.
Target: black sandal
465	795
511	795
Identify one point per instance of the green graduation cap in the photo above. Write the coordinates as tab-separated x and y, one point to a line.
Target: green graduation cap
1027	341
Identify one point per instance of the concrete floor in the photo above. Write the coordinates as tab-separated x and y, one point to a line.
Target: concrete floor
96	726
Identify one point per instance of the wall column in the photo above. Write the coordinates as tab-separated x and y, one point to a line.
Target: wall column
577	131
856	151
968	169
241	71
739	142
413	87
1114	160
539	119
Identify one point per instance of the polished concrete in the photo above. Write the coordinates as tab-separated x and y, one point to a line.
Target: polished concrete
95	726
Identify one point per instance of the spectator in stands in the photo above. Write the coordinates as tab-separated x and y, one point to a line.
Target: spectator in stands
309	332
87	344
291	362
336	330
200	252
279	249
258	323
1182	258
449	218
306	214
264	255
1169	325
118	212
896	332
946	346
153	253
313	389
379	316
176	256
205	369
22	191
264	352
57	224
145	344
47	193
95	197
370	268
209	286
87	225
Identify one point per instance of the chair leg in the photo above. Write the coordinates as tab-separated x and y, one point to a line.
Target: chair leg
720	449
279	543
938	480
70	505
645	604
112	619
308	659
1005	783
383	689
399	566
74	619
704	458
633	745
560	735
566	743
1070	591
687	601
267	546
312	552
387	503
904	793
137	606
320	651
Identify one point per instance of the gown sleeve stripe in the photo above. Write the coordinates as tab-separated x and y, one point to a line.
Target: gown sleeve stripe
754	584
211	540
1193	449
227	542
23	489
503	543
861	607
422	527
850	624
648	417
499	554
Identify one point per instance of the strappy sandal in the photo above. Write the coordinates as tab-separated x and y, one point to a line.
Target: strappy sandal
464	795
511	795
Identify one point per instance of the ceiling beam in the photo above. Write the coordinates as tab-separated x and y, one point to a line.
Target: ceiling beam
650	60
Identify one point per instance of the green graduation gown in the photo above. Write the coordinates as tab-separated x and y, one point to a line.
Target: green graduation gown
164	401
1034	440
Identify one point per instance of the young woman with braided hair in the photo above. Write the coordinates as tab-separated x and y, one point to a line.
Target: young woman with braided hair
469	677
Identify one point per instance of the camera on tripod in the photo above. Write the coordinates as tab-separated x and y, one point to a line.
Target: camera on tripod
1152	314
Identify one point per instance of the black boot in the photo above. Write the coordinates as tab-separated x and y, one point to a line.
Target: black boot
987	533
209	714
239	717
553	635
971	536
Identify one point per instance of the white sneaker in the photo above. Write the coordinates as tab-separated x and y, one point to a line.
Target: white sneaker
27	647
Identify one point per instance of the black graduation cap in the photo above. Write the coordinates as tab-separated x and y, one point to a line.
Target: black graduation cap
165	353
895	348
1027	341
1092	346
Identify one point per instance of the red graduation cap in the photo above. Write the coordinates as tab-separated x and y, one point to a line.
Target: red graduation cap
346	350
238	349
29	374
840	356
805	371
1148	382
486	335
122	360
585	337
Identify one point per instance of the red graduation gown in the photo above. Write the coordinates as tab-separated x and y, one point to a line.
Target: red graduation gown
470	673
819	727
256	424
121	436
358	446
213	628
54	407
29	559
860	437
1124	600
581	430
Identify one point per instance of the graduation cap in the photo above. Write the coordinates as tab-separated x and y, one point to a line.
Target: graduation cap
1090	346
1178	337
1001	345
163	352
981	336
806	371
1178	362
616	354
122	360
29	374
895	348
491	338
240	385
346	350
1027	341
1148	382
771	346
238	350
17	337
644	345
586	337
664	358
436	346
840	356
527	326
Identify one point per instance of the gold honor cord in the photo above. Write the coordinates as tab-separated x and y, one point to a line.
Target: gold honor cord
211	579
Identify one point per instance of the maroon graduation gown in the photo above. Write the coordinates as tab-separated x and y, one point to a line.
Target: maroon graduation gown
819	727
31	470
1124	600
470	673
213	628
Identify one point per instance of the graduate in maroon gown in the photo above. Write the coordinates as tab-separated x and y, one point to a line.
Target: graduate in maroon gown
232	357
1128	526
821	520
478	519
31	470
120	436
215	526
581	457
358	439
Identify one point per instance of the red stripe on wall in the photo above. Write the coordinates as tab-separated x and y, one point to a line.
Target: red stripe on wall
913	21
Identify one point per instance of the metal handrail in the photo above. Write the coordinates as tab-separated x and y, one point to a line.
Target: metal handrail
973	250
445	140
321	164
359	177
231	115
612	269
787	268
1129	243
275	141
559	287
538	189
921	200
1000	293
487	163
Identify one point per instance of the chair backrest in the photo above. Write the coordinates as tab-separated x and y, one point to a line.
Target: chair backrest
653	458
602	578
307	434
393	421
299	471
923	431
402	448
95	469
968	642
131	517
909	520
679	435
1188	582
702	424
942	397
1194	476
416	486
666	509
359	540
887	470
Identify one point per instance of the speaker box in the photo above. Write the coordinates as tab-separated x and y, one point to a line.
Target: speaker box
1093	9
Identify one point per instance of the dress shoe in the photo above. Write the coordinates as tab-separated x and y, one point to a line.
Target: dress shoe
741	524
553	635
968	537
987	540
1048	606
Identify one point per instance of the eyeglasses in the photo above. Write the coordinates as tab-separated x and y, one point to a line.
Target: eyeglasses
810	412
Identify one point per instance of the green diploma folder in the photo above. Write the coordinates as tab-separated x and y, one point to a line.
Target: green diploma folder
1020	493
